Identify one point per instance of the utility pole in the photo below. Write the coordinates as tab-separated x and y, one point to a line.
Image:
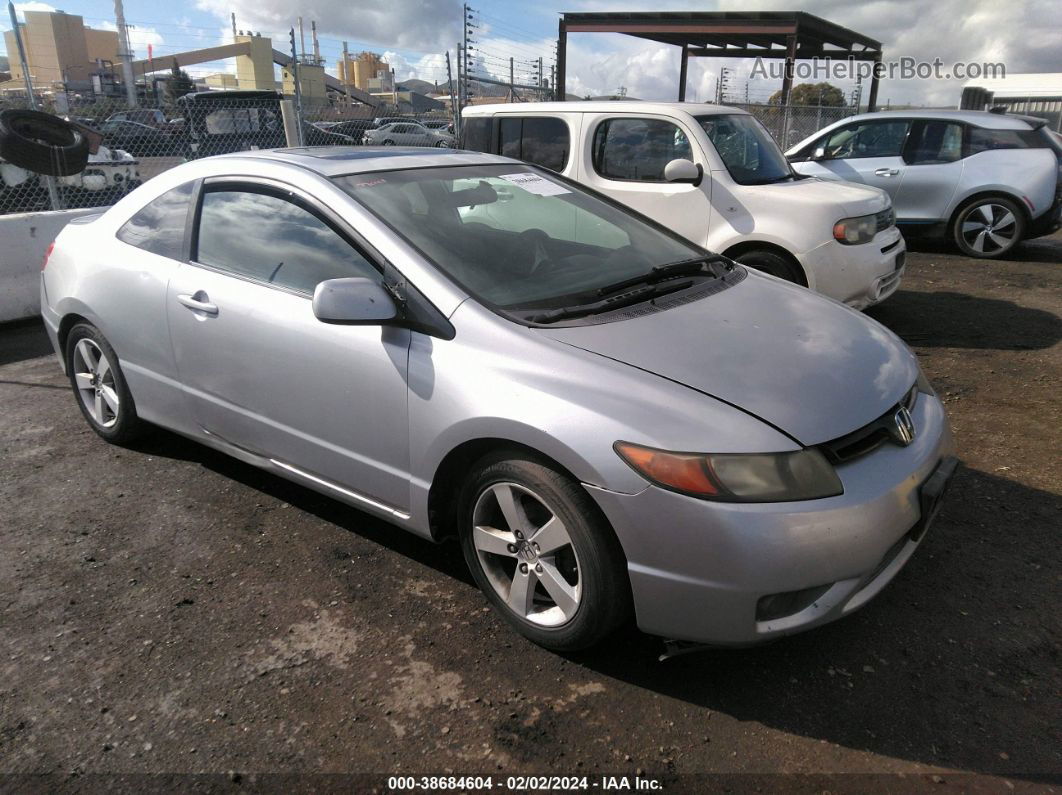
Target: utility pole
460	77
295	79
125	52
512	88
553	80
53	191
455	113
346	76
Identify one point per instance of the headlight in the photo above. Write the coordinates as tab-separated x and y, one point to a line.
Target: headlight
736	477
853	231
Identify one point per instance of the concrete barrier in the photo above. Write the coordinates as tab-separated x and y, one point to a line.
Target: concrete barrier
24	237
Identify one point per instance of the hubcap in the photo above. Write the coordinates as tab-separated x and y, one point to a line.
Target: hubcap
989	228
95	383
527	554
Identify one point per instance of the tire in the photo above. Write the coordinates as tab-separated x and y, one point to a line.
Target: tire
119	426
577	589
42	143
442	145
988	228
772	263
388	142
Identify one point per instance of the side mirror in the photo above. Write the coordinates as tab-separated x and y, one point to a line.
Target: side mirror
682	170
356	301
819	153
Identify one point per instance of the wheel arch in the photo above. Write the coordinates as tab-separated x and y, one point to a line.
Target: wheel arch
745	246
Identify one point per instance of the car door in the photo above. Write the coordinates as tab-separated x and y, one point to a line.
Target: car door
260	371
934	162
624	158
870	152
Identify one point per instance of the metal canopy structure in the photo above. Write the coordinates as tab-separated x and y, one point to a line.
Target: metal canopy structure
789	35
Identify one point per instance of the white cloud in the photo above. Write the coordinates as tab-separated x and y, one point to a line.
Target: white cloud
139	37
20	12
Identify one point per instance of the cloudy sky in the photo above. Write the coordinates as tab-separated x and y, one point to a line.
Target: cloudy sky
1025	35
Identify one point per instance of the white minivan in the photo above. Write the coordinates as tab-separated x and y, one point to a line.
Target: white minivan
714	175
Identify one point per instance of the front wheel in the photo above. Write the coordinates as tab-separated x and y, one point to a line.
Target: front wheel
388	142
772	263
988	228
99	385
539	550
442	145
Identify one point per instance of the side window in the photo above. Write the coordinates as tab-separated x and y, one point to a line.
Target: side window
637	149
475	133
273	240
868	139
159	225
984	140
535	139
934	142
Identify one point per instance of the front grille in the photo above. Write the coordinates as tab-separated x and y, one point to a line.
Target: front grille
868	438
885	219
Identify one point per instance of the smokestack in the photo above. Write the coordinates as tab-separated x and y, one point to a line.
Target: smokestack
302	40
233	15
316	46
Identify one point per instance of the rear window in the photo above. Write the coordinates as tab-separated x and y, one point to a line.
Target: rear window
475	133
158	227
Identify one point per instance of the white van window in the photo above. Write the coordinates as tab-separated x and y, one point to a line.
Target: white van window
747	150
535	139
475	134
637	149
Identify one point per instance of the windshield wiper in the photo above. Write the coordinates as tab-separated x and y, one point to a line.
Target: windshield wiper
682	267
610	303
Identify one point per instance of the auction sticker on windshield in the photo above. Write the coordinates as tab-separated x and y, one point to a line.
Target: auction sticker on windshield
533	183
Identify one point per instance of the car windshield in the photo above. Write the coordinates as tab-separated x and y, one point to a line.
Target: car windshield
747	149
514	236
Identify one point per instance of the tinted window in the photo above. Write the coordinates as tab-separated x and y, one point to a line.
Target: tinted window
159	226
934	142
475	134
273	240
542	141
868	139
637	149
984	140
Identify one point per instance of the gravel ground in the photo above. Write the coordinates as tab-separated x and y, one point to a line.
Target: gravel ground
165	609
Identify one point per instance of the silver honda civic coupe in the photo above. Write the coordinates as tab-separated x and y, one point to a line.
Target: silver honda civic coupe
611	420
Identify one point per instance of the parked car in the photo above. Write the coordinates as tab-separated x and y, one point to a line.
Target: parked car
442	125
380	121
139	140
108	175
219	122
407	134
354	128
714	175
984	181
612	420
152	117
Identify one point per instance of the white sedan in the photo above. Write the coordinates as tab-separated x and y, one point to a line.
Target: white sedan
409	133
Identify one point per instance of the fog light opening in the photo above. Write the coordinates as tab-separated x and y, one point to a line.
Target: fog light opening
782	605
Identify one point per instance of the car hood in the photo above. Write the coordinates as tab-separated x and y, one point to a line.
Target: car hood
850	199
806	364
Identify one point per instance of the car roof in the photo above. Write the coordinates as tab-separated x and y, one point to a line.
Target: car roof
981	118
602	106
333	161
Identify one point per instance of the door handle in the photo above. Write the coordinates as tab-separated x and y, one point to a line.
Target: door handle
887	172
198	302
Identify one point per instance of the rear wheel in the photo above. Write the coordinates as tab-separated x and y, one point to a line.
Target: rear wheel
99	385
988	228
771	262
388	142
540	552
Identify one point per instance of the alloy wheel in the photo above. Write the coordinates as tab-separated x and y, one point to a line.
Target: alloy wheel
527	555
989	228
94	377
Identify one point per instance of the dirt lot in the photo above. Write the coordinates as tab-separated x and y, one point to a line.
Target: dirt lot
167	609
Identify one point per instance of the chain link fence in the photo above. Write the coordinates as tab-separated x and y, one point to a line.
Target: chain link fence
791	124
132	145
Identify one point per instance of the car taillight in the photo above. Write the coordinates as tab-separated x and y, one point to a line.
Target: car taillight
47	253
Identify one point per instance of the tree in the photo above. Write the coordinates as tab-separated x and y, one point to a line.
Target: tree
813	94
178	84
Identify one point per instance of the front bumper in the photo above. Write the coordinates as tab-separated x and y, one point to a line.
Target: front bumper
699	569
859	276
